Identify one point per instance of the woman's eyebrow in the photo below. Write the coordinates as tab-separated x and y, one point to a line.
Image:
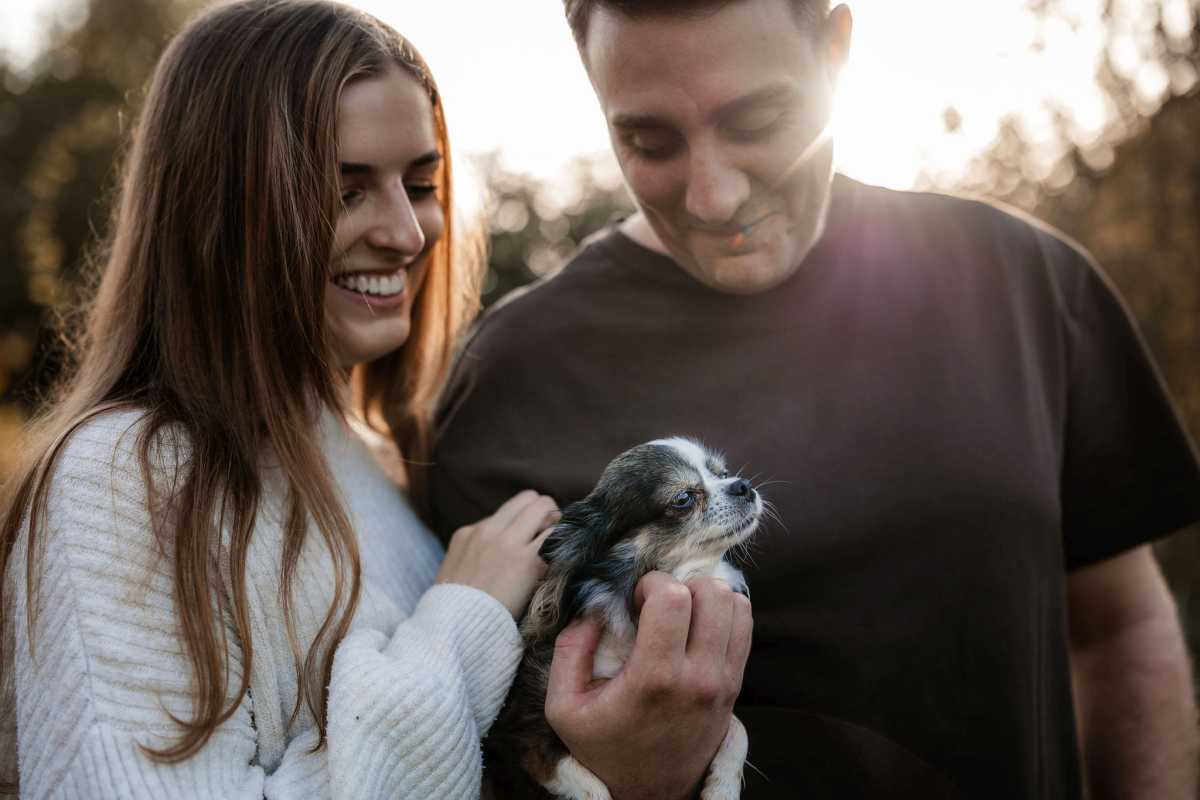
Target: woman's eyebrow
348	168
431	158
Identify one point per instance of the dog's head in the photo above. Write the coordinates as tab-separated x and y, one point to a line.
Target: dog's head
663	505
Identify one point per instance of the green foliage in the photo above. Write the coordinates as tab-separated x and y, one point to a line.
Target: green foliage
534	227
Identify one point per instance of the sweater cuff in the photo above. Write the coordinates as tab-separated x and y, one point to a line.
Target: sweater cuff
469	627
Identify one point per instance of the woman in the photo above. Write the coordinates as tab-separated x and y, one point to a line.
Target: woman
211	588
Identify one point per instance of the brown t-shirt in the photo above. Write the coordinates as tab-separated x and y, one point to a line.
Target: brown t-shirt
949	409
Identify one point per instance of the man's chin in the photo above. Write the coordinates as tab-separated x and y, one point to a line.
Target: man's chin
740	273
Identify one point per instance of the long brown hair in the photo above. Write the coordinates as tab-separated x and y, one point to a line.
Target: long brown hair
219	254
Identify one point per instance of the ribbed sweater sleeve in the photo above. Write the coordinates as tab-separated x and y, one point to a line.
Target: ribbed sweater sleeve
418	704
407	707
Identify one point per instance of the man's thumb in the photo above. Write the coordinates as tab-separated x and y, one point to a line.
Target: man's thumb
574	652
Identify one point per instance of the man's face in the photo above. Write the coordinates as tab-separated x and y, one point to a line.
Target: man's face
719	123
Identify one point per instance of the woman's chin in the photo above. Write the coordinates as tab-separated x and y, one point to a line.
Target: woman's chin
355	347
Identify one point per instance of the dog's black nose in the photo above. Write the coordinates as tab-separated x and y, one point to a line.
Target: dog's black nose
741	488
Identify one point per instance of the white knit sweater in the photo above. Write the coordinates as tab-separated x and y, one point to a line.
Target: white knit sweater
415	685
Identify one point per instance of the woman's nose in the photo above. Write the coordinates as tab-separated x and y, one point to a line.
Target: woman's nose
397	227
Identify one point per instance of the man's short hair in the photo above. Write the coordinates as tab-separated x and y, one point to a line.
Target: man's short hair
808	13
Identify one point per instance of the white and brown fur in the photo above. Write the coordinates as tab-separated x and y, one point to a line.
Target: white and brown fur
667	505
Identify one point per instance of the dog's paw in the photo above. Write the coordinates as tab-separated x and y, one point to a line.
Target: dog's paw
722	788
724	780
574	781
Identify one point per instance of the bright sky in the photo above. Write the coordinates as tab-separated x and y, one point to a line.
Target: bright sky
512	81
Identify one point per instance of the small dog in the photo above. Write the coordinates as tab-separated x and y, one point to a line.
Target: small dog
667	505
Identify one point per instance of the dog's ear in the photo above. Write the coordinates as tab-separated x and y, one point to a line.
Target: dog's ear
578	536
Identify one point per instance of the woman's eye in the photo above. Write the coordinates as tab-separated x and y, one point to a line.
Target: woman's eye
683	500
351	197
418	190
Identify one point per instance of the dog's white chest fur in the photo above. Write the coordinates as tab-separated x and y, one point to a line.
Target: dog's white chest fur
616	643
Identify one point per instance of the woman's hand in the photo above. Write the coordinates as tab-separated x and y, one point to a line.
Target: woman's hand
499	554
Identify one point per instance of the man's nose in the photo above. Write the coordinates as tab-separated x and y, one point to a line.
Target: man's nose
716	188
396	226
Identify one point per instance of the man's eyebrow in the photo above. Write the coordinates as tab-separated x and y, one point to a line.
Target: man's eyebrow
773	94
430	158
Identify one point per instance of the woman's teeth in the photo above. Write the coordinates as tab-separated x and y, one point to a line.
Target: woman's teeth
379	286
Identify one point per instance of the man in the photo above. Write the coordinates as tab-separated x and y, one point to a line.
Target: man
961	432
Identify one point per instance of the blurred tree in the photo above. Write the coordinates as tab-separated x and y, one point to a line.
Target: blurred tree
1151	53
536	225
62	120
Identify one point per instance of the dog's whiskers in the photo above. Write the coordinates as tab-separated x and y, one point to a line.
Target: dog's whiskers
759	771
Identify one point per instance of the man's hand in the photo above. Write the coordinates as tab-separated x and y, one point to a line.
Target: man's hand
1133	687
651	731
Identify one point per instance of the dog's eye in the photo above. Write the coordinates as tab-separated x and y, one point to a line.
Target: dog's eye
723	474
684	500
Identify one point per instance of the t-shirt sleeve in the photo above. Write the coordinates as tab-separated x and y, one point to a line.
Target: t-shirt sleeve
1130	472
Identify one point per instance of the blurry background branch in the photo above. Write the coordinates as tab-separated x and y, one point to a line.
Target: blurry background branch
1124	180
62	120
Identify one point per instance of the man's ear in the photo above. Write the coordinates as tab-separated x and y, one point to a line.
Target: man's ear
577	536
839	29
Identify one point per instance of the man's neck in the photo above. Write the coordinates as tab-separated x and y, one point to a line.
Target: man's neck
637	228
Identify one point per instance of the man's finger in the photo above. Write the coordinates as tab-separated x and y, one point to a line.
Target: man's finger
712	619
741	633
662	627
574	652
649	582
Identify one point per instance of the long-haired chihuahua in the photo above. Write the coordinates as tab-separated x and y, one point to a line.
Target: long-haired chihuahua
668	505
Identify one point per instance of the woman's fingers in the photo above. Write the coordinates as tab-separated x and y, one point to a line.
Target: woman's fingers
507	512
541	537
531	520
